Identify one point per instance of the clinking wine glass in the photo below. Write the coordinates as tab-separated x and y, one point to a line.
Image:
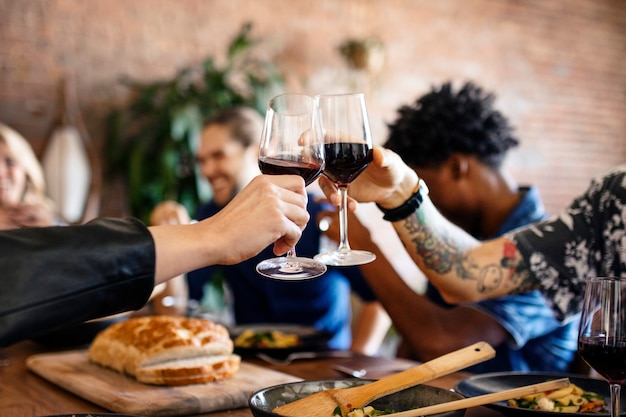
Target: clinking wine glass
602	335
292	143
348	151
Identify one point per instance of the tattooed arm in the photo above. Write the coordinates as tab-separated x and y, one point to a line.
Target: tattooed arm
461	267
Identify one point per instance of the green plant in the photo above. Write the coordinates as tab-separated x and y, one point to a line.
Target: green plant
151	140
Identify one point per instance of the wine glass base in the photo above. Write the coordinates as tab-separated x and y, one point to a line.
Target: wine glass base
345	258
291	268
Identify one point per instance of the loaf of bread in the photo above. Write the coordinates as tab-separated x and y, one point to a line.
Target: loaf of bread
166	350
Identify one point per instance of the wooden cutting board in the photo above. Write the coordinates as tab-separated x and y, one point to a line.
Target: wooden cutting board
72	371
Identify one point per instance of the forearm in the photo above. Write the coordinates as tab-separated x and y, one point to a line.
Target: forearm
180	249
271	209
172	298
404	306
369	328
414	315
461	267
66	275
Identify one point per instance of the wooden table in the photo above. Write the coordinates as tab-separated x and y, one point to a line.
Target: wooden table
25	394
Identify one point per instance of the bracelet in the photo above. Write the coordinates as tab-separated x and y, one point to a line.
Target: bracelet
409	206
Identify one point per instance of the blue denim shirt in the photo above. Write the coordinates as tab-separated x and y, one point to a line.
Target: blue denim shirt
539	341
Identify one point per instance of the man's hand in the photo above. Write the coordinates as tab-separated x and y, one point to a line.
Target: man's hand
270	209
387	181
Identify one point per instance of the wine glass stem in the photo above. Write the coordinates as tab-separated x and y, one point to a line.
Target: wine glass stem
615	394
343	219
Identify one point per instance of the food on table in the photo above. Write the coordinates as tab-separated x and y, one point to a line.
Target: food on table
571	399
166	350
266	339
367	411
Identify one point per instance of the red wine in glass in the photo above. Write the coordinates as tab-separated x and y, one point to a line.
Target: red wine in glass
292	144
606	356
347	152
277	166
602	332
345	161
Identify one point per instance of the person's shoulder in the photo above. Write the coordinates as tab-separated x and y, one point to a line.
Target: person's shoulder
616	177
612	183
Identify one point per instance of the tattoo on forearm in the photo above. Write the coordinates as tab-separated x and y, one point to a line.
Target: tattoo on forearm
520	280
440	255
437	254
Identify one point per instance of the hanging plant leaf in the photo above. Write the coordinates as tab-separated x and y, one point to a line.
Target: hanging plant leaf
151	141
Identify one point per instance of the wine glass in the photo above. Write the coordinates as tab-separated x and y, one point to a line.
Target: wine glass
602	335
292	143
348	149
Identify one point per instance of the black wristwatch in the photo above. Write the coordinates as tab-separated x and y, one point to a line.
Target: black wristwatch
409	206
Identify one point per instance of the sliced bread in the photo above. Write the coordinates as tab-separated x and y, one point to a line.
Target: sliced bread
166	350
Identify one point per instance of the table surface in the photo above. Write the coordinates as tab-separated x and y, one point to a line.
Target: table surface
25	394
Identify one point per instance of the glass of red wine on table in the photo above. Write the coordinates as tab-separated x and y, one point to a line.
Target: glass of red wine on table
602	335
292	143
348	151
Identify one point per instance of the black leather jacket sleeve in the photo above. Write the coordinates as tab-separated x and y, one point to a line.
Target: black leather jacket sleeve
58	276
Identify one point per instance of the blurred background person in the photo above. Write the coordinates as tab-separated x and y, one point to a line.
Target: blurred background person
24	203
23	199
457	143
228	159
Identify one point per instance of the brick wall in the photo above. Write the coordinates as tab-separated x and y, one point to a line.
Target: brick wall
557	66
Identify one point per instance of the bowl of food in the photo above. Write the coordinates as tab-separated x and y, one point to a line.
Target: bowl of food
264	401
277	340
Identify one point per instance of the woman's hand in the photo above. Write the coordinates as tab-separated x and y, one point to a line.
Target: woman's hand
270	209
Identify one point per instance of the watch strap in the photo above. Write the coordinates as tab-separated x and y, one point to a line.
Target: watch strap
408	207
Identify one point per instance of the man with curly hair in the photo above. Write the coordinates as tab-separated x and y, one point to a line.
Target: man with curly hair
457	143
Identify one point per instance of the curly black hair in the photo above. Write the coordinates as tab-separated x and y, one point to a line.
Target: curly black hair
443	122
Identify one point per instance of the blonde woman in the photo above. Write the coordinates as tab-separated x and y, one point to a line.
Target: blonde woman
23	200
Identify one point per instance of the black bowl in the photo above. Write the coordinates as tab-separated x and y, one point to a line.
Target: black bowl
264	401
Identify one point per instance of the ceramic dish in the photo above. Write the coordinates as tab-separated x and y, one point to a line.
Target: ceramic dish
264	401
494	382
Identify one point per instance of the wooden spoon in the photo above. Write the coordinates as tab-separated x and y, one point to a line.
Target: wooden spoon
485	399
324	403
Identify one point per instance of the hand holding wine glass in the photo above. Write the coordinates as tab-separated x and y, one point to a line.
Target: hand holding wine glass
602	335
348	151
292	143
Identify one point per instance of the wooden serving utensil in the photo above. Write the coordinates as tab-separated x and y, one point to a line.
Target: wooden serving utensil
324	403
485	399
